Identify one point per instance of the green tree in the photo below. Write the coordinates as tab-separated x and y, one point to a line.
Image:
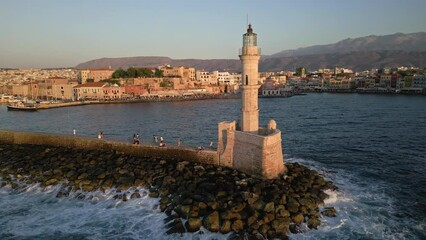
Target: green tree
119	73
158	73
132	72
300	70
90	80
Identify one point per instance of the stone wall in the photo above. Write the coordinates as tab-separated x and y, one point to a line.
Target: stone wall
225	145
273	160
172	153
258	154
248	149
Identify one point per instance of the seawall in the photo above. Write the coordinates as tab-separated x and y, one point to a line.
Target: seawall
172	153
192	194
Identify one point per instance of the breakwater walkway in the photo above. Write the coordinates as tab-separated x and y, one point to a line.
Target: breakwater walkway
191	192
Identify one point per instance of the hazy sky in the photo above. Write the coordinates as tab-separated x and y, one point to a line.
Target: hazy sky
56	33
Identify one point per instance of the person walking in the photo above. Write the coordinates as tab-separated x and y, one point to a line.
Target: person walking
73	131
178	142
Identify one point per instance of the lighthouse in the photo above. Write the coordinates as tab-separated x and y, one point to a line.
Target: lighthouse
249	56
247	146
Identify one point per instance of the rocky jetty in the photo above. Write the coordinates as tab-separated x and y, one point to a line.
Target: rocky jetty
193	195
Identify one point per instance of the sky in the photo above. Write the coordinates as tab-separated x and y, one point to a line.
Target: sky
64	33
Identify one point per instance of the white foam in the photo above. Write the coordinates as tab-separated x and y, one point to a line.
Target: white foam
334	197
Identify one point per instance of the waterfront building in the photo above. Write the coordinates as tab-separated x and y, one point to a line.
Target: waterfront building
204	77
222	77
64	91
270	88
95	74
246	146
112	91
419	81
188	74
89	91
49	89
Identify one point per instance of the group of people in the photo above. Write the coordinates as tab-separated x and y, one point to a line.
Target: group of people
157	140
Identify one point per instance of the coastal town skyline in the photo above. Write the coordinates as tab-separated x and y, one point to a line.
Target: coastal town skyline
63	34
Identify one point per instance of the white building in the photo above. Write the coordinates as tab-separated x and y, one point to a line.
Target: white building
419	81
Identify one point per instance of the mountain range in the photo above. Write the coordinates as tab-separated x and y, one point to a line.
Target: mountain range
359	54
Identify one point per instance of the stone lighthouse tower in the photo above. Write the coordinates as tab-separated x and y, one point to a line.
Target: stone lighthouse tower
250	56
248	147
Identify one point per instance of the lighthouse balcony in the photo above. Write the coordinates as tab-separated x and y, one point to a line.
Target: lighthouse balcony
249	51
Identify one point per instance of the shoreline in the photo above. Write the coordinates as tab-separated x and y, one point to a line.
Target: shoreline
45	106
192	195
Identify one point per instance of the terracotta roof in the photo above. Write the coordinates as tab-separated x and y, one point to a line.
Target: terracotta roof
92	84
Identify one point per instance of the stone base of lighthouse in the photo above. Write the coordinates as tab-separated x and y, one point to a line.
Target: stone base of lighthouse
253	153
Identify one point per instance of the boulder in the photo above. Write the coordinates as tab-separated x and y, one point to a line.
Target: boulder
193	224
211	222
281	225
298	218
313	223
51	182
83	176
238	207
183	210
329	212
225	227
237	226
135	195
269	207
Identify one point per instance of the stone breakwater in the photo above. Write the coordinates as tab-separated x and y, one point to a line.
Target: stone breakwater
193	195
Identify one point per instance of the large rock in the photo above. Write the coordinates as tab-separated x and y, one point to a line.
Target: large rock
211	222
298	218
193	224
329	212
269	207
238	226
281	225
313	223
225	227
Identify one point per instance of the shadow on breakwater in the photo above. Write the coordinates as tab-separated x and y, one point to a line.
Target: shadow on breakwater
192	194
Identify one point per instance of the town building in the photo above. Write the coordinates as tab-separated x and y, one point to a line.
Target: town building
419	81
188	74
89	91
95	74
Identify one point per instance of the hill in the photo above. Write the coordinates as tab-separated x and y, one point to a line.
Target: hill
394	42
358	54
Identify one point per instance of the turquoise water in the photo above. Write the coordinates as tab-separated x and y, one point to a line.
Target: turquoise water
372	147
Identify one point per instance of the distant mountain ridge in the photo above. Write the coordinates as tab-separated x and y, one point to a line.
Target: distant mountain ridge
404	42
359	54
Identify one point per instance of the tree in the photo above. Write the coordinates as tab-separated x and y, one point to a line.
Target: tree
90	80
119	73
132	72
300	71
158	73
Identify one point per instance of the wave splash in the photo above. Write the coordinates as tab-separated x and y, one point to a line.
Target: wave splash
363	211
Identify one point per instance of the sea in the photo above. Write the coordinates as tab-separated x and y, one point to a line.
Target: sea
373	148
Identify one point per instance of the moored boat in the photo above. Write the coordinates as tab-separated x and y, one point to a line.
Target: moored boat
21	106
